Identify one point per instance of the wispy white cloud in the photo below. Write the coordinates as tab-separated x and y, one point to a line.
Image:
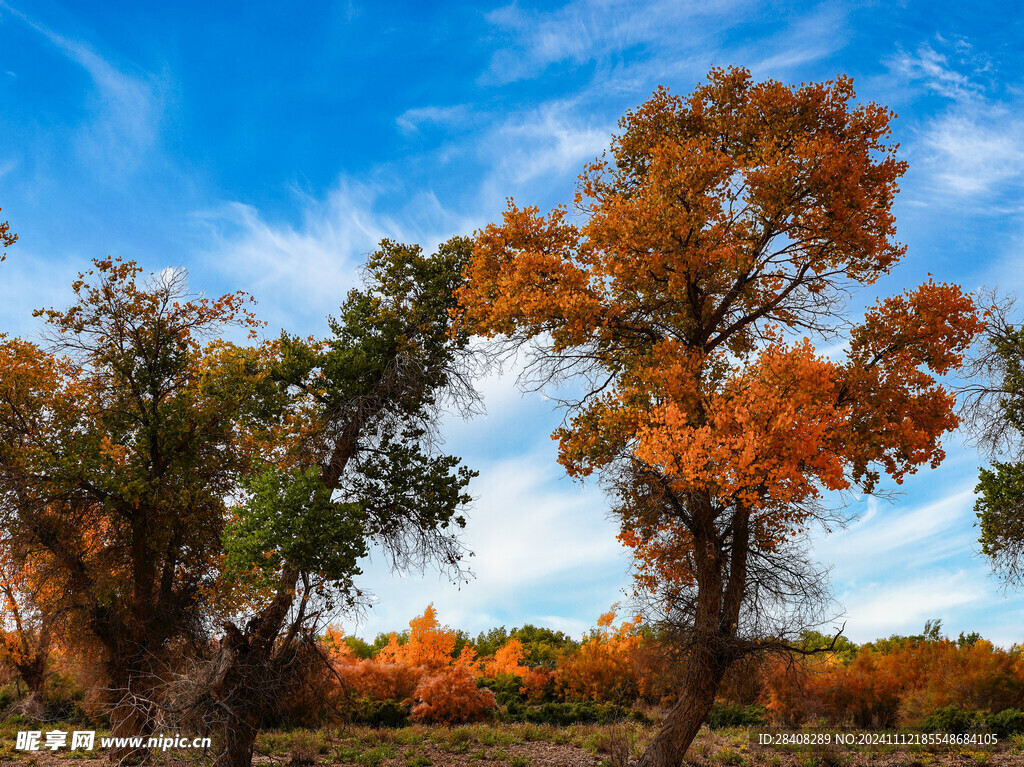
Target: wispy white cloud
934	70
809	37
588	30
301	272
550	140
975	150
924	533
971	151
411	120
126	110
312	265
536	539
886	607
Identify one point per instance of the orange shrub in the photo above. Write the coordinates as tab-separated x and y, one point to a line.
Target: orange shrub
538	684
379	681
606	668
896	681
451	697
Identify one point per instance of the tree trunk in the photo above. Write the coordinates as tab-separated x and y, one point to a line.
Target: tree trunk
684	719
720	572
131	717
245	675
239	740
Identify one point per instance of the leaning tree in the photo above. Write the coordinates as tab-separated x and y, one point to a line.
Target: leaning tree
351	460
723	232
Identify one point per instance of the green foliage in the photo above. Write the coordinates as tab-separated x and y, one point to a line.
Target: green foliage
1000	490
564	714
542	645
360	648
505	688
380	713
732	715
995	410
953	719
291	518
369	395
843	648
968	640
488	643
1005	723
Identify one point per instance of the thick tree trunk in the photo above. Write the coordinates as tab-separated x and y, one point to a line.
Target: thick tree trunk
684	720
131	717
239	741
245	674
720	569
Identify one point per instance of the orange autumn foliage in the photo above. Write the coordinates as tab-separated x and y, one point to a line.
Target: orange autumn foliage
430	645
451	697
889	684
722	223
7	237
719	235
606	667
507	660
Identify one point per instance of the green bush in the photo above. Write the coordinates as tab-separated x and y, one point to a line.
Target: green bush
380	713
733	715
1005	723
953	720
505	688
563	714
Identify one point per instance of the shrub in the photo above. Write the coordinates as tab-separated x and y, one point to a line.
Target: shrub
732	715
538	685
380	713
1005	723
506	688
564	714
952	719
452	697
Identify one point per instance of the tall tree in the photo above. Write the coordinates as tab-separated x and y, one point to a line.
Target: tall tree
722	228
118	446
355	463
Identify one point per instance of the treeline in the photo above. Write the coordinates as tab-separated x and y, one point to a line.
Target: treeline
431	673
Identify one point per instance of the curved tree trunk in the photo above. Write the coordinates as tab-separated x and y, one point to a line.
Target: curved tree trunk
245	674
720	569
684	719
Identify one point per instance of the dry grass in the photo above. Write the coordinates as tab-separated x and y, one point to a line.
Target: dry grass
532	745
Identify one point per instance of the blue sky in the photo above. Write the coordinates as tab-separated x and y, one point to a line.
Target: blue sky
269	146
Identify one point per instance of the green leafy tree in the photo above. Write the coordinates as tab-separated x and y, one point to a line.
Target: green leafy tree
354	463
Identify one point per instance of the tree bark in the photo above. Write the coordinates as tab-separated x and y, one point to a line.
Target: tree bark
684	719
244	675
131	717
720	568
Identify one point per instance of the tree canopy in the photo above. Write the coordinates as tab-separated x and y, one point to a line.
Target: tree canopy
118	446
720	235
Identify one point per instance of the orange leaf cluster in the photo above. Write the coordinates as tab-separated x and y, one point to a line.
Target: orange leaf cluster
722	226
451	697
